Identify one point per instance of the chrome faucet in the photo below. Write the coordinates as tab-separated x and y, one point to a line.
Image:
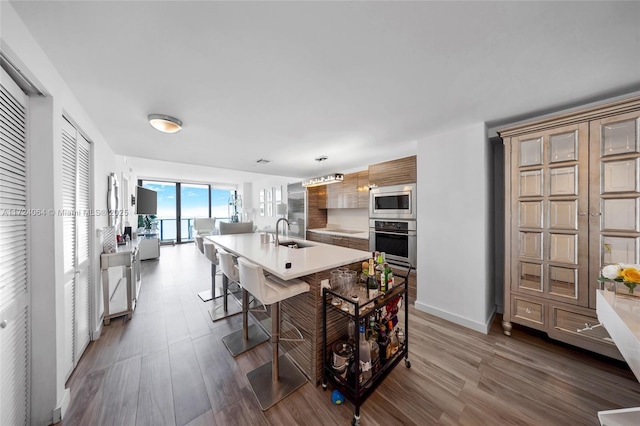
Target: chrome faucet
278	226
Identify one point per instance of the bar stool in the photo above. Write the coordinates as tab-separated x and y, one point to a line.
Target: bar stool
219	309
249	336
209	251
275	380
200	243
211	256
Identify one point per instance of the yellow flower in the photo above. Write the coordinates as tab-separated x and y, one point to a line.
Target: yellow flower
631	275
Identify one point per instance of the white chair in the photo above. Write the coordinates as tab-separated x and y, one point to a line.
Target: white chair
249	336
278	378
204	226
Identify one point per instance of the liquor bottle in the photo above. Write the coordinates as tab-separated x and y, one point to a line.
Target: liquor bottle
379	270
390	282
372	283
384	279
383	344
393	339
400	335
373	342
364	351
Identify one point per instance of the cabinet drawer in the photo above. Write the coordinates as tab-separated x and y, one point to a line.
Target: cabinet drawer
528	310
579	325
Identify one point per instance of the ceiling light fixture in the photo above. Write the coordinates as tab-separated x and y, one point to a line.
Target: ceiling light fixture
165	123
323	179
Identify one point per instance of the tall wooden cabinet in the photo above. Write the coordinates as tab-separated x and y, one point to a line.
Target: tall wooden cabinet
572	187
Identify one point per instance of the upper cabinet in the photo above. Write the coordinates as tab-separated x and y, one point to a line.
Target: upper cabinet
362	196
351	193
394	172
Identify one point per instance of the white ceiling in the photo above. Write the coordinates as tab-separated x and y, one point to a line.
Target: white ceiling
359	82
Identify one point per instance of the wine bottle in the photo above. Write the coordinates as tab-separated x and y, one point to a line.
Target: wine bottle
372	283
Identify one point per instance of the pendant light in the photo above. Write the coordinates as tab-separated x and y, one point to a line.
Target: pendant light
323	179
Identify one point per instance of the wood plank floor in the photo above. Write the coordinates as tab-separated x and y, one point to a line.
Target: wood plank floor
168	366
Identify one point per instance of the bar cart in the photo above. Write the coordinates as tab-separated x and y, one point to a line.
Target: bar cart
350	386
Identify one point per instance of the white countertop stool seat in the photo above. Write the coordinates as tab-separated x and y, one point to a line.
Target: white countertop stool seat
273	381
249	336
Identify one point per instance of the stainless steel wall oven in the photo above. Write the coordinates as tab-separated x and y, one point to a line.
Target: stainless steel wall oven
397	238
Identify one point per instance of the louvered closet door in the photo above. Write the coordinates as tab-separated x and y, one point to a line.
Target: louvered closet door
76	222
15	352
83	224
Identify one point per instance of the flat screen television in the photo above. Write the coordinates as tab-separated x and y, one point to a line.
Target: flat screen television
146	201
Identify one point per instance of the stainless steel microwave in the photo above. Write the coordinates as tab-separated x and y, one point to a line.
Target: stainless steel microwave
393	202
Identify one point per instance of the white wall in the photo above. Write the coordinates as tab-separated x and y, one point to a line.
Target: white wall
454	257
268	183
49	398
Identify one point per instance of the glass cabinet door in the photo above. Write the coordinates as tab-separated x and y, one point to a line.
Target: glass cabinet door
614	206
549	203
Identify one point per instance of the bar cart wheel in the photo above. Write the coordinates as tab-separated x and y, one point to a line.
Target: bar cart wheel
355	421
324	385
407	363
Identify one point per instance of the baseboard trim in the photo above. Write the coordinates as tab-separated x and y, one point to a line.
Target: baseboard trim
95	334
63	404
457	319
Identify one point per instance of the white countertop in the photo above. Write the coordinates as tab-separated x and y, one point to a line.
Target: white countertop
272	258
621	317
342	232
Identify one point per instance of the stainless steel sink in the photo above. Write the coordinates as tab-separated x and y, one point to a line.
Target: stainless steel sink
295	244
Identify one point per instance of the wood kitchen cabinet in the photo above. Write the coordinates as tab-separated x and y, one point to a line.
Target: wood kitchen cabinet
339	240
572	200
362	189
351	193
335	192
320	238
394	172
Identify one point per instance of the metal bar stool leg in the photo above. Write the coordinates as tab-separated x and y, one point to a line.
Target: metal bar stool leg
249	336
275	380
221	309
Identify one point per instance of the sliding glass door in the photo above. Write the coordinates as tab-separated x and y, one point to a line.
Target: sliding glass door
194	202
220	204
179	203
167	211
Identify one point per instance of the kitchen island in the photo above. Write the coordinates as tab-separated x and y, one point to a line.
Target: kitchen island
311	262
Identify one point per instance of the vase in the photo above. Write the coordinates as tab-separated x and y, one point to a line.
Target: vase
109	239
628	289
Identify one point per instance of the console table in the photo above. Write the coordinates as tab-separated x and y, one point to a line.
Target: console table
621	317
120	296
